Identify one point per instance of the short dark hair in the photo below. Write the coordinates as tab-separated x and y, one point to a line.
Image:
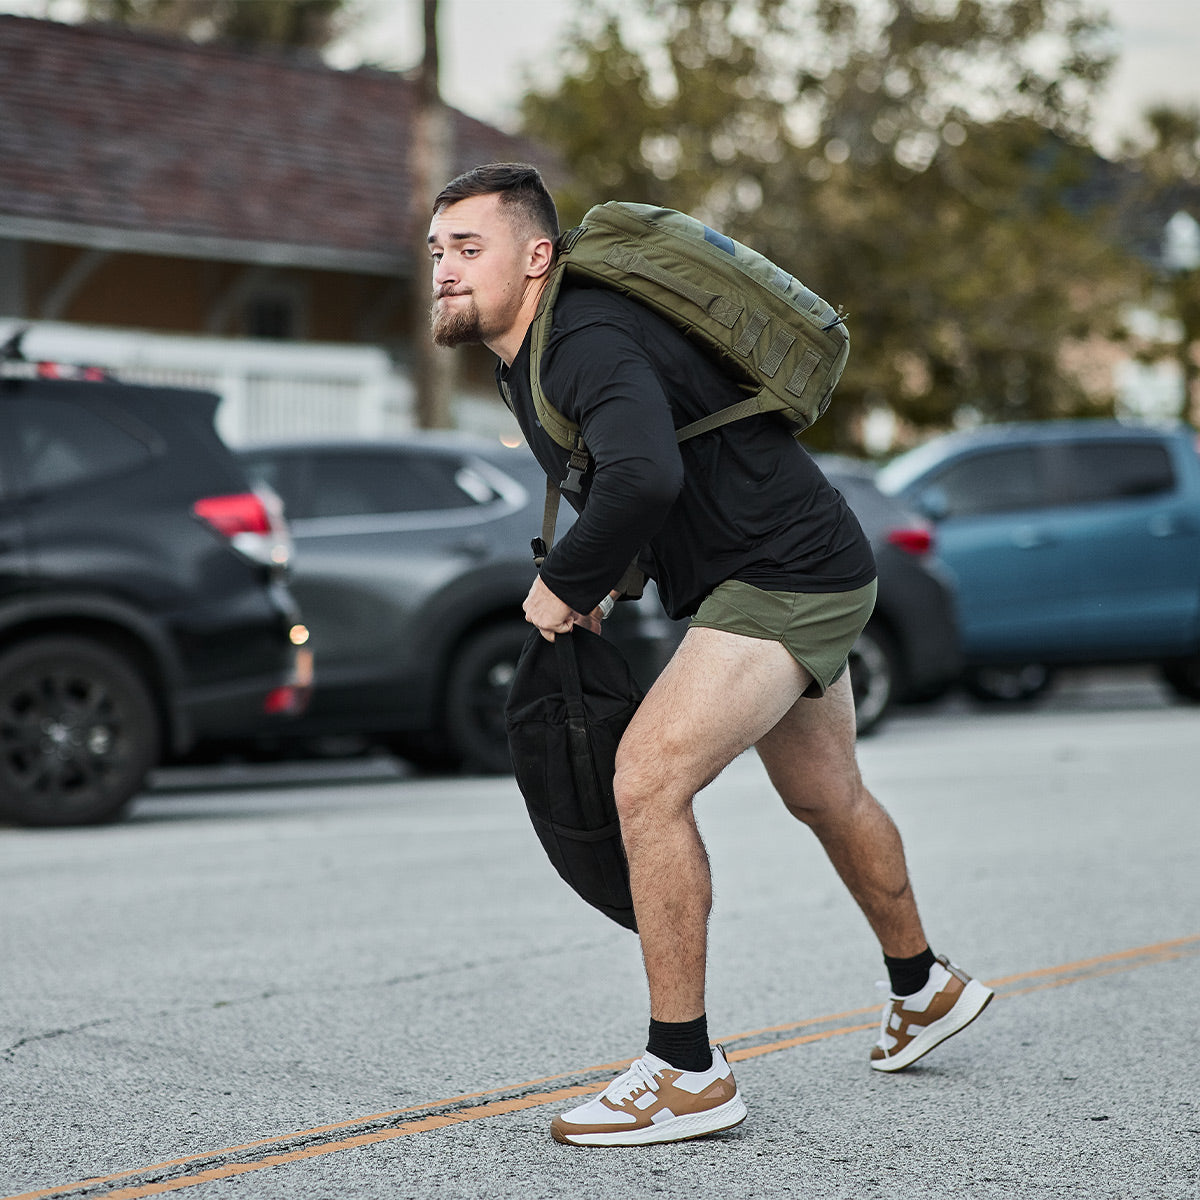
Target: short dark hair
518	185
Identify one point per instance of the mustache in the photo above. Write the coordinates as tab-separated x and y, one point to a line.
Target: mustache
440	293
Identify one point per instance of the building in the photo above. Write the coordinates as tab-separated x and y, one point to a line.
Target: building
236	218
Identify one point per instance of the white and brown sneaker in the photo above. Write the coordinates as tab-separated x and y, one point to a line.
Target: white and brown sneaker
655	1102
914	1025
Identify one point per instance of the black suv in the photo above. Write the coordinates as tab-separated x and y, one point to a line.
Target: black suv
143	599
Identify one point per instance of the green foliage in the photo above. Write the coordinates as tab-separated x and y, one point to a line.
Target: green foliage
1166	166
921	162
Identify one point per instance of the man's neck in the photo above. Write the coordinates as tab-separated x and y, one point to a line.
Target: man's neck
507	345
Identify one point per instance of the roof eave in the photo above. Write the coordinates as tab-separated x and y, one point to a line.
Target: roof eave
182	245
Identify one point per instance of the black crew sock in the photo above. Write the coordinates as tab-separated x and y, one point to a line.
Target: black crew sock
909	975
683	1044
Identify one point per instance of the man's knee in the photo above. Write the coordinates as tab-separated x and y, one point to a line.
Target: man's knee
651	784
816	797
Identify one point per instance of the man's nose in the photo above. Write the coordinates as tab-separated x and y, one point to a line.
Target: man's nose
443	273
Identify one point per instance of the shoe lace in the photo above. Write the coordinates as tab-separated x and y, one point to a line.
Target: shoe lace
639	1078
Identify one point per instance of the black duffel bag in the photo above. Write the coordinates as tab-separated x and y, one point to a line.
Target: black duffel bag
570	702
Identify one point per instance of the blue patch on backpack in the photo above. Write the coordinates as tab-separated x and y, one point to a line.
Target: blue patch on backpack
719	240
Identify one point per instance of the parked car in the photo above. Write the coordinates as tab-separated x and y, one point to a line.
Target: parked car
1071	543
412	558
909	651
143	600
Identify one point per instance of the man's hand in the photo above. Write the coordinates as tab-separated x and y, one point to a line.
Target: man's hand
551	615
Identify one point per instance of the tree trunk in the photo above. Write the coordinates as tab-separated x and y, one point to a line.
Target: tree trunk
434	368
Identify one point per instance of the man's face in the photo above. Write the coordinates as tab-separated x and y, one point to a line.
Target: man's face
479	273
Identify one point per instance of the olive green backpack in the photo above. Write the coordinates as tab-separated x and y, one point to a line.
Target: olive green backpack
783	343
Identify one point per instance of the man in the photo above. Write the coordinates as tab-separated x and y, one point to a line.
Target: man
742	533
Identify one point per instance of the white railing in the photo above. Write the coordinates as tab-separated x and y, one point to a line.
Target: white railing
268	390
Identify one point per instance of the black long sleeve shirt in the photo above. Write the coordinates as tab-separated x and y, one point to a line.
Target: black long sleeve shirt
742	502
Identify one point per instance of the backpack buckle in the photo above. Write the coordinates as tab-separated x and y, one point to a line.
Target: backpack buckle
575	469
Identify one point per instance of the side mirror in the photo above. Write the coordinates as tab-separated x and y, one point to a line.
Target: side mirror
931	502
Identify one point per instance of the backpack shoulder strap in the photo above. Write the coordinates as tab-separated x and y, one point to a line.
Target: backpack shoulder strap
565	432
734	412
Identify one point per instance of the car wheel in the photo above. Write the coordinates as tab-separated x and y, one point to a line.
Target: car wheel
1008	685
1182	676
78	732
476	691
872	678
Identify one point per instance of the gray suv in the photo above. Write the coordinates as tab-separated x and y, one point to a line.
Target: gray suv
412	558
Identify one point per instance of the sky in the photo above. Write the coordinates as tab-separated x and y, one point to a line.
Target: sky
489	48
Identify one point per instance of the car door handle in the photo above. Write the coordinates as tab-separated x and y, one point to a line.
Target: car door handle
1165	526
474	547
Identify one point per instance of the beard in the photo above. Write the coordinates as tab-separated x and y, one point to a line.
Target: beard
455	326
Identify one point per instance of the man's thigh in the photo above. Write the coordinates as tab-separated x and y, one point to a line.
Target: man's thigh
810	752
719	694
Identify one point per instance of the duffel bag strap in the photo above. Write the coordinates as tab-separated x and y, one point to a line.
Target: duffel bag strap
579	745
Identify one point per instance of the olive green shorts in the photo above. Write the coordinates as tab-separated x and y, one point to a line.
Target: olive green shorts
816	628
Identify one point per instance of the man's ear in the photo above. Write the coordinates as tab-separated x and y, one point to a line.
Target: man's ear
541	258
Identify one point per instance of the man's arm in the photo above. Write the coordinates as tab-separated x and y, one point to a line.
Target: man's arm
603	380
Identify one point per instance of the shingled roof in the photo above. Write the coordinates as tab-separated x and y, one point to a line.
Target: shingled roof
125	140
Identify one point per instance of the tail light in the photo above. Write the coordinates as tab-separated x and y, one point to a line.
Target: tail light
916	540
253	522
56	370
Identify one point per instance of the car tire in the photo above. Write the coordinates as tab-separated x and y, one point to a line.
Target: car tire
476	691
1008	684
873	677
1182	676
78	732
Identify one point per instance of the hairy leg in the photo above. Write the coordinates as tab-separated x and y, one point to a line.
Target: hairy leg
809	756
718	696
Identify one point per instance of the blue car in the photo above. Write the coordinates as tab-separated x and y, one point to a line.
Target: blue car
1071	543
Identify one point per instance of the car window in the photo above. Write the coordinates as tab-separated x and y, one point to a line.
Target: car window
993	481
58	444
352	484
1097	471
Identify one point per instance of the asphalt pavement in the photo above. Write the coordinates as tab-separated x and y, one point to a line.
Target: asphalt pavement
367	984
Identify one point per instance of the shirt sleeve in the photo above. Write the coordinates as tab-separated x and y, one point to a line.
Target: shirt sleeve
602	379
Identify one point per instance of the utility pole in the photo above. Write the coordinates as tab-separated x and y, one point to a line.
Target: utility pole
434	368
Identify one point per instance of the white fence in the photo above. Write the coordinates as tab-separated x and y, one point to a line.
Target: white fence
269	390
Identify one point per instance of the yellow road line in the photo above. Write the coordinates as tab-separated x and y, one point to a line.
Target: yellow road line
459	1111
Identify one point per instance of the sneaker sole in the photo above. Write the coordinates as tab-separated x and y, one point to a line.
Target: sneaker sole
678	1129
974	999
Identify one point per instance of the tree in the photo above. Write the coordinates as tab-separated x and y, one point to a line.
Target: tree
920	162
1166	200
301	24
